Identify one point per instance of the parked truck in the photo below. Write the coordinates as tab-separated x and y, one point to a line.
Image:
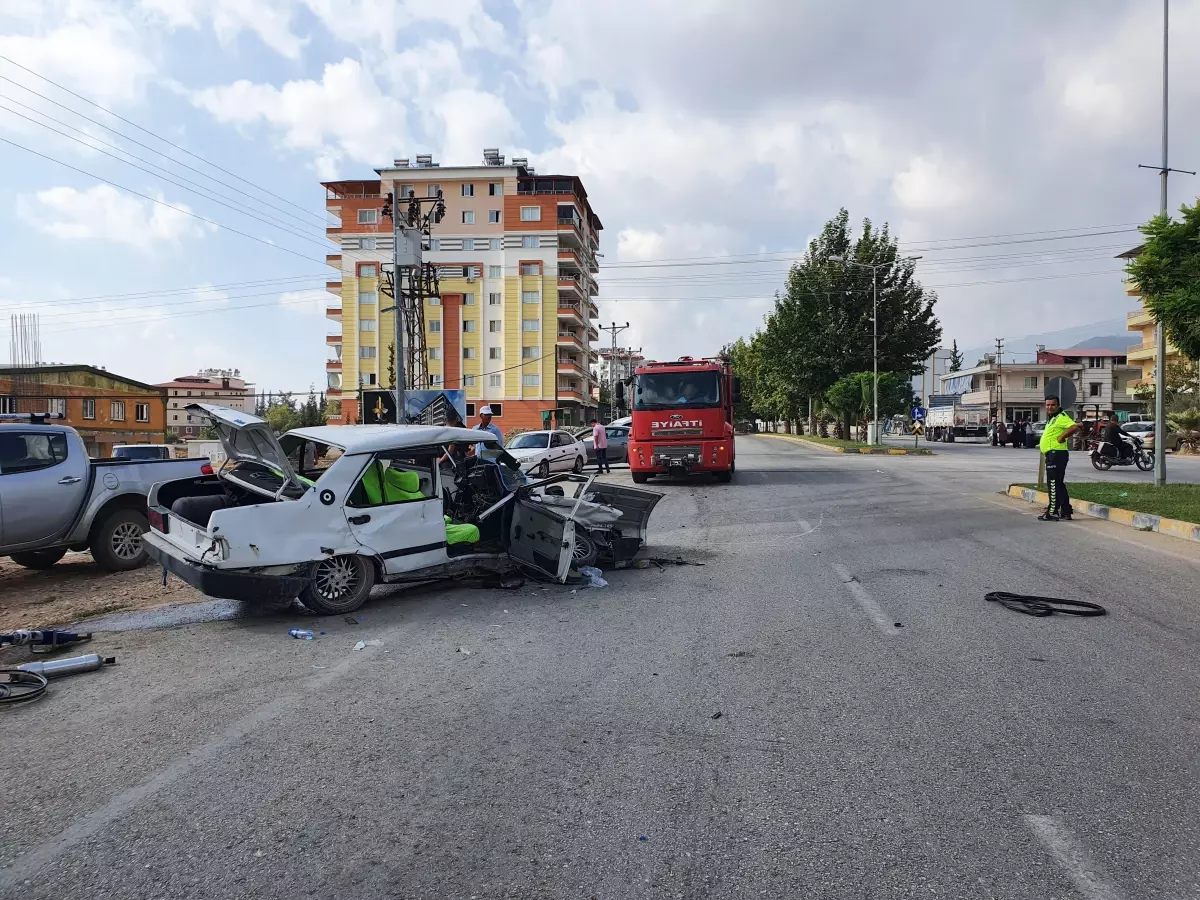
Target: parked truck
54	499
683	419
948	423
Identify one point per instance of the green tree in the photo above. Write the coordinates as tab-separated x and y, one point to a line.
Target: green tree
282	413
956	357
1182	377
391	366
1187	423
852	396
821	327
1167	272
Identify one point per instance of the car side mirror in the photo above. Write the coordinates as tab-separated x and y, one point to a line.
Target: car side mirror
620	393
737	390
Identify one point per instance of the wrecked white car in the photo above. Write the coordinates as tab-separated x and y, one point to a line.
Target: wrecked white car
392	507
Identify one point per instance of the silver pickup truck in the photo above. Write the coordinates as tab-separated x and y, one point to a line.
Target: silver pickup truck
54	499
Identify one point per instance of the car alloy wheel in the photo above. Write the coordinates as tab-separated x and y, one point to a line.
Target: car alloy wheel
126	541
338	585
334	578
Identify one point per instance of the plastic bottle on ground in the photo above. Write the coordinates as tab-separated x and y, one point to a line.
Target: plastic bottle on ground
301	634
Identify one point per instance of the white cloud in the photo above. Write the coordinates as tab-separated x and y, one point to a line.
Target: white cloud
343	117
102	213
311	302
271	20
378	22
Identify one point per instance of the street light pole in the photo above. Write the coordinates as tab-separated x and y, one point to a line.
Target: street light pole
874	325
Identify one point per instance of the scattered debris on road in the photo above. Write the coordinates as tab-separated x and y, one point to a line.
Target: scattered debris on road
716	715
594	577
464	651
301	634
1044	606
363	645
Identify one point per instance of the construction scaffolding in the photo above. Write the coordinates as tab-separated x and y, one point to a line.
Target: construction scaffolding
27	393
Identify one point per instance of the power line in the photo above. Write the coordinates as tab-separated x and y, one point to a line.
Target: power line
185	290
141	129
180	209
117	147
199	190
75	313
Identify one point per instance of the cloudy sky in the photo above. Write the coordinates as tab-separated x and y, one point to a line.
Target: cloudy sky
714	139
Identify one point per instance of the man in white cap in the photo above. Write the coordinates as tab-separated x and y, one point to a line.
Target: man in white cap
485	424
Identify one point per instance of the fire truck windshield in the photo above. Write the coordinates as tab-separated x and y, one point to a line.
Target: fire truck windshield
686	390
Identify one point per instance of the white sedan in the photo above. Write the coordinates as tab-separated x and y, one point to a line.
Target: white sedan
543	452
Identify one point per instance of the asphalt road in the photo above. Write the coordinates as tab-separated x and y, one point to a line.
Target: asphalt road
826	708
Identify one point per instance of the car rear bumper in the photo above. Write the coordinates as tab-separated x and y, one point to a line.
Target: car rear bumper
225	585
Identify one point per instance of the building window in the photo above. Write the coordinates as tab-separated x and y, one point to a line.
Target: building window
468	190
469	326
1031	382
366	352
435	352
469	381
531	380
495	271
89	409
494	353
468	216
494	216
468	352
433	190
141	412
371	378
1094	388
367	271
8	405
531	297
531	268
496	244
468	244
531	214
529	352
1096	362
407	190
495	326
495	189
368	216
189	393
117	411
529	241
435	326
366	325
57	406
493	299
493	381
497	410
435	380
368	243
435	244
368	298
531	324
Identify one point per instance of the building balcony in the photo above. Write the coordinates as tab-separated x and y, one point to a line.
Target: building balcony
333	339
569	393
334	259
593	310
333	365
1140	352
1139	318
570	285
571	313
1132	288
334	287
570	367
569	257
333	312
569	339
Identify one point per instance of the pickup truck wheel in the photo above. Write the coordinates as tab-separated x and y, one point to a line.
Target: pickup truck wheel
639	477
117	542
39	559
338	585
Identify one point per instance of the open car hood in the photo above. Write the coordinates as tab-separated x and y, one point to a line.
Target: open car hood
247	438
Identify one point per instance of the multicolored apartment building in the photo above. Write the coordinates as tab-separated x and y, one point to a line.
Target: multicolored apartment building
515	325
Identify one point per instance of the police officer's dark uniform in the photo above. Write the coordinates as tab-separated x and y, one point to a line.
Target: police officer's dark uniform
1054	445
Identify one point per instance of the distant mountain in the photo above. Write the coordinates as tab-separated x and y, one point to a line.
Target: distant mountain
1107	335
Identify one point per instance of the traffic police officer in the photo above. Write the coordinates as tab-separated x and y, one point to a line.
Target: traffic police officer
1059	428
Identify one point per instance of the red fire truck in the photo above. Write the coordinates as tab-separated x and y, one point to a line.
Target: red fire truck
683	418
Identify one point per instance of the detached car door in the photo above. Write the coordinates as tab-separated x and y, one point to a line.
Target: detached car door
395	510
42	485
541	538
635	505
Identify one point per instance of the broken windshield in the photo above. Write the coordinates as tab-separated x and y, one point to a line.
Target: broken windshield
686	390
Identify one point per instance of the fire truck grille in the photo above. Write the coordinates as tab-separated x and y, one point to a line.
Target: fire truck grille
677	432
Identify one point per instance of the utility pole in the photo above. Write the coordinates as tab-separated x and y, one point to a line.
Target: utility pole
999	381
614	329
1160	334
409	275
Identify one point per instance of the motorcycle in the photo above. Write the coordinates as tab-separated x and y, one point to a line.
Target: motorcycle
1104	455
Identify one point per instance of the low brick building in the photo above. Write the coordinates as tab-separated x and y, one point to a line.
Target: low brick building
106	409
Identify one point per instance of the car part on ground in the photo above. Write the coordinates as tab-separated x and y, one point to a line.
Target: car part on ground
1041	607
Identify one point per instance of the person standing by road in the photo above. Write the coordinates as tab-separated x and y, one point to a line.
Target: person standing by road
600	444
485	424
1059	428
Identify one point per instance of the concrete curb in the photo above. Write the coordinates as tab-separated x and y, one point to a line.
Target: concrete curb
1188	531
863	451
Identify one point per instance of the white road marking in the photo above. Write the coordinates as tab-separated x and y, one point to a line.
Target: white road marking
87	826
865	600
1072	857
